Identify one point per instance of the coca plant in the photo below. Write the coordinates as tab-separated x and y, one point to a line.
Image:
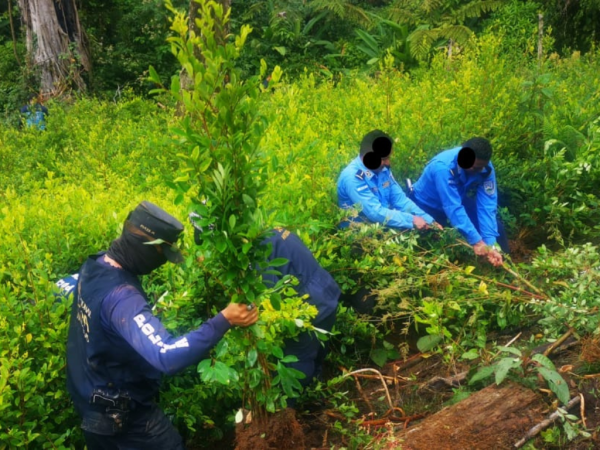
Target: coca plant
223	176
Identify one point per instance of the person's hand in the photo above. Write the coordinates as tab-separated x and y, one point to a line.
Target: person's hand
419	223
238	314
495	258
436	225
480	249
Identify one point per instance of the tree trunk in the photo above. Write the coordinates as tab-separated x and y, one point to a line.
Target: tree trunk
55	43
493	418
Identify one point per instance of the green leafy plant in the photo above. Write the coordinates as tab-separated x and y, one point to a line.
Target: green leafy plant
523	366
223	174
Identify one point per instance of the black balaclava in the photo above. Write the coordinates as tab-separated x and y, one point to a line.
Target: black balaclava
134	256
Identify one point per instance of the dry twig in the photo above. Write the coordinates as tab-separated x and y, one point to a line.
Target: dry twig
546	423
559	342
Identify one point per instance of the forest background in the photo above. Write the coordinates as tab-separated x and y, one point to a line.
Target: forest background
429	73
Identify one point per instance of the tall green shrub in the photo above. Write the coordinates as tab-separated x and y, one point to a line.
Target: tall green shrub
222	175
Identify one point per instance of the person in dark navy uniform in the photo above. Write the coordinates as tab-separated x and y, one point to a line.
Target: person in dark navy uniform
459	186
368	182
117	349
323	293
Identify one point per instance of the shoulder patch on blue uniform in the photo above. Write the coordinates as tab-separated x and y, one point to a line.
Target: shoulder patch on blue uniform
368	174
489	187
359	174
385	185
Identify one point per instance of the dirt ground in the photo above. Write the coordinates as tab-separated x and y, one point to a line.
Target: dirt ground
422	403
422	418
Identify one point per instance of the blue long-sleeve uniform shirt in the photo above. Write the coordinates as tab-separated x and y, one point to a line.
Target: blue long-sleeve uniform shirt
443	186
313	280
381	198
115	340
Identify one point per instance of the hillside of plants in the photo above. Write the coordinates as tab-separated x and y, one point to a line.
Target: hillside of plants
251	156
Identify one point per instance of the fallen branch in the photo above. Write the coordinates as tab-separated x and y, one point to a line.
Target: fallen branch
387	392
582	410
388	379
523	280
546	423
436	382
559	342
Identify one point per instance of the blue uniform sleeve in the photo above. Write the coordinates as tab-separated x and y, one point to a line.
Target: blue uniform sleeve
360	193
487	206
399	200
452	205
126	313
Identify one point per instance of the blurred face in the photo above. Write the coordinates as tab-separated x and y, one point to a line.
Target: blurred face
385	162
478	166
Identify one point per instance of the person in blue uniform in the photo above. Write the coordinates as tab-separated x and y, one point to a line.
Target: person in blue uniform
117	349
323	293
368	182
34	113
459	186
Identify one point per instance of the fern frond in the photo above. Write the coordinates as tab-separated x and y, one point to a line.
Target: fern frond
458	33
475	9
421	41
403	11
342	9
428	6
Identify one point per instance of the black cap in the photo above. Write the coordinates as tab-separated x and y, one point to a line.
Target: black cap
378	142
153	223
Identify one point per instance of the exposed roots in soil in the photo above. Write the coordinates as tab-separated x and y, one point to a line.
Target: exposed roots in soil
280	432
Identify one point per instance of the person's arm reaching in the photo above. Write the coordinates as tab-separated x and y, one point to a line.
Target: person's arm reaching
400	201
455	211
360	193
126	313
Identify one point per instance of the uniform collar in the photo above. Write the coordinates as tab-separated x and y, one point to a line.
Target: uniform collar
368	172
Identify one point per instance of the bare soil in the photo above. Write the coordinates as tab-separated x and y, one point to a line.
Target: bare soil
281	432
425	412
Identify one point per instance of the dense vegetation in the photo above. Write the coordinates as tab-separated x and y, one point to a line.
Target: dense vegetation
64	194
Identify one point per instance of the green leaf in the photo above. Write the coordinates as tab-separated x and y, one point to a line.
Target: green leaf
556	383
276	262
483	373
281	50
514	351
504	366
277	352
232	222
276	301
175	86
379	356
248	201
544	361
252	357
289	379
428	342
289	359
221	372
471	354
153	75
